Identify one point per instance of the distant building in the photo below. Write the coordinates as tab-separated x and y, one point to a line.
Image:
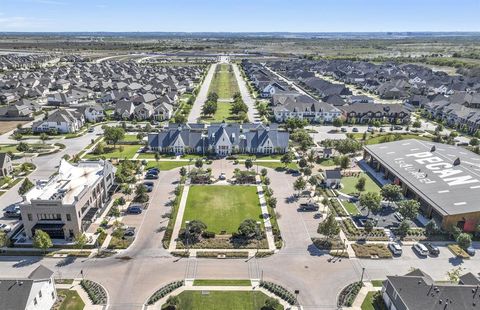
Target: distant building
68	202
36	292
62	121
333	178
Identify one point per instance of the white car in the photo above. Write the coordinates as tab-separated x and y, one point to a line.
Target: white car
420	249
395	248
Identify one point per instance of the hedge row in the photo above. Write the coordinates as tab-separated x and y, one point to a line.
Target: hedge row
164	291
279	291
95	292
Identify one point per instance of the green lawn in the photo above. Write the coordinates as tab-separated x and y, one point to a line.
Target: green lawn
224	82
222	208
130	138
376	138
327	162
222	114
152	156
8	148
167	165
275	165
351	208
72	300
373	301
128	152
350	182
265	157
218	300
209	282
377	283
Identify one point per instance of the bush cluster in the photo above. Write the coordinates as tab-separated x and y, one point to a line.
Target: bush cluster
164	291
279	291
95	292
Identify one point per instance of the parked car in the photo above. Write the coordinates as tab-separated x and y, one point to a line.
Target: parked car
308	207
471	251
222	176
420	249
355	129
12	211
153	170
129	232
151	176
370	129
149	186
91	129
397	127
382	129
395	248
398	216
432	249
134	210
344	129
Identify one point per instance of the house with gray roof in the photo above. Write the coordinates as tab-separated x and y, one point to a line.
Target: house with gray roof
35	292
296	105
61	121
220	139
6	167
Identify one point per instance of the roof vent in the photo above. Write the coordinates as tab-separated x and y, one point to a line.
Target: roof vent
433	149
457	161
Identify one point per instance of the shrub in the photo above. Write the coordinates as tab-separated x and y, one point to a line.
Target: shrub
208	234
164	291
95	292
279	291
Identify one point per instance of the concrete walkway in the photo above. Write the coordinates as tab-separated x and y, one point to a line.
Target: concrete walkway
178	221
367	287
265	214
201	98
246	96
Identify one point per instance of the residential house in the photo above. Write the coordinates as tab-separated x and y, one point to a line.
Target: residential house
61	121
6	167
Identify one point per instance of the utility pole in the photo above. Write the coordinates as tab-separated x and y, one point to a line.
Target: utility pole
363	271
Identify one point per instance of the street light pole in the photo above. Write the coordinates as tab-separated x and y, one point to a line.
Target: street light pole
361	279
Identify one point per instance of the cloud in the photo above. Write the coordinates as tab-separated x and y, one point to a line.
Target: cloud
20	23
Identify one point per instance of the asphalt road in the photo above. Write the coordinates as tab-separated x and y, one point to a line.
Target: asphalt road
246	96
201	98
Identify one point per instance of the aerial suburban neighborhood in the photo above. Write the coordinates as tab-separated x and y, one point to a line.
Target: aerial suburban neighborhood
293	160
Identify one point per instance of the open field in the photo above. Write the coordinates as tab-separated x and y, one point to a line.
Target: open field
72	301
10	125
376	138
218	300
222	114
128	152
222	208
224	82
167	165
350	182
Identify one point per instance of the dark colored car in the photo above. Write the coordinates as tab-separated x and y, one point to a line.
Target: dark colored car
12	211
148	186
355	129
151	176
432	249
308	207
153	170
134	210
129	232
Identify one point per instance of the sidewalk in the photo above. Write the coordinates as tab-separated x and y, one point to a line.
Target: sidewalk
265	214
367	287
178	220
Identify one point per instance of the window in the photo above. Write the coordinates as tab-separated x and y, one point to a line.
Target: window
69	218
29	215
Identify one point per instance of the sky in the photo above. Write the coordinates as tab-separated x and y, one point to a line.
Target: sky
239	15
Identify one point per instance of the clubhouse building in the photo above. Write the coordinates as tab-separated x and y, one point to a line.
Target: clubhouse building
445	179
219	139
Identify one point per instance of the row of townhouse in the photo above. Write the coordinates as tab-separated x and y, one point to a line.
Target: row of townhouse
22	62
371	112
219	139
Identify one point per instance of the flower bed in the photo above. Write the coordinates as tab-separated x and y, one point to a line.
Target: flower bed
348	294
458	251
371	250
95	291
164	291
225	254
328	244
354	233
337	207
279	291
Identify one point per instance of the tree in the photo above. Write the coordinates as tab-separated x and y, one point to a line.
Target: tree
266	181
287	158
329	227
271	304
474	141
431	228
403	228
17	136
209	108
417	124
81	240
25	187
302	162
369	225
183	171
344	162
157	157
360	186
42	240
22	147
371	201
409	208
300	184
263	172
454	274
272	202
199	163
338	122
248	228
237	107
43	137
173	302
212	96
307	171
141	193
248	164
113	135
3	239
439	129
391	192
464	240
196	227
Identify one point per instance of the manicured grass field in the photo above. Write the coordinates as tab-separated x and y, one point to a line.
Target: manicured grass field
8	148
72	300
224	82
376	138
327	162
350	182
167	165
373	301
130	138
222	208
377	283
210	282
218	300
152	156
351	208
275	165
265	157
128	152
222	114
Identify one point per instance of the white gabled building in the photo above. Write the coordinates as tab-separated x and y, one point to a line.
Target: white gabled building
62	121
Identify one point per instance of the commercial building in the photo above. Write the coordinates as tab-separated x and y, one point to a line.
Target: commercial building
36	292
67	203
445	179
